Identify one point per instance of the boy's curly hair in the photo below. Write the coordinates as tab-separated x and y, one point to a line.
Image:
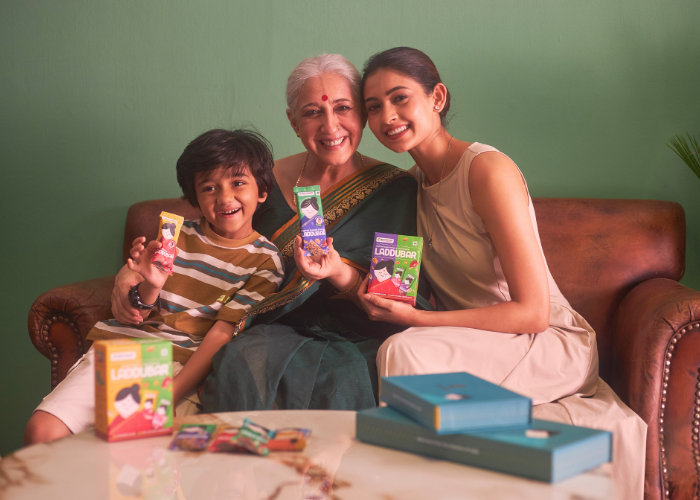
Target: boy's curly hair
231	149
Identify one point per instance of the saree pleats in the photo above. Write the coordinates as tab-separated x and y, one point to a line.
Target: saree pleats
300	348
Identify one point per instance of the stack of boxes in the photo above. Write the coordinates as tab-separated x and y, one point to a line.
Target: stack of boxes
462	418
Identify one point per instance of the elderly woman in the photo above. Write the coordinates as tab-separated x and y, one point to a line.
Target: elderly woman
310	345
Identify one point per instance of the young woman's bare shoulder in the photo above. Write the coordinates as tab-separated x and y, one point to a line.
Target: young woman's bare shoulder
495	181
493	169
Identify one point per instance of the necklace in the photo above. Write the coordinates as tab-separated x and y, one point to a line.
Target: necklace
437	198
296	184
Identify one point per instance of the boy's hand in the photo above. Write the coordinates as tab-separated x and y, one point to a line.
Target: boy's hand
140	262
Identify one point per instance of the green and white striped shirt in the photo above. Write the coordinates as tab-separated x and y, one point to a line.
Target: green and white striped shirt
214	279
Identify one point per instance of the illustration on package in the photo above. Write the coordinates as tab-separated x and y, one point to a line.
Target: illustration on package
395	266
313	227
133	388
168	233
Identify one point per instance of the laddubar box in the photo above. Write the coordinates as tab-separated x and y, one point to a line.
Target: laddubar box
395	267
452	402
133	388
549	451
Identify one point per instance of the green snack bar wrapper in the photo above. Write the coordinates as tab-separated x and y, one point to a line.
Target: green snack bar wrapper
313	227
252	437
395	267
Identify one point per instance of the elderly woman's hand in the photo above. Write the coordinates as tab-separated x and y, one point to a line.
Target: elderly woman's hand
121	307
389	311
318	267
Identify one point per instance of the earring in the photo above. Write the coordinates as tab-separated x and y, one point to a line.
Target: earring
298	134
437	108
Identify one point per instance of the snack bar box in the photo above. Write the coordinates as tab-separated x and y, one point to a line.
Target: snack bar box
133	388
548	451
452	402
395	267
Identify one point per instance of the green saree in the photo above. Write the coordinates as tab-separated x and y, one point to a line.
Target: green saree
298	348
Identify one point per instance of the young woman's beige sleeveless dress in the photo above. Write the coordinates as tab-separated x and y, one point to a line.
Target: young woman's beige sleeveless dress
559	364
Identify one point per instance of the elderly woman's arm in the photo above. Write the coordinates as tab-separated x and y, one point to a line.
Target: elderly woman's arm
126	278
121	307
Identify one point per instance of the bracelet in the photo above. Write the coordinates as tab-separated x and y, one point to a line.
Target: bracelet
135	300
357	280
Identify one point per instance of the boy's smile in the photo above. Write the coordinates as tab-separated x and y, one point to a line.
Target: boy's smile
228	199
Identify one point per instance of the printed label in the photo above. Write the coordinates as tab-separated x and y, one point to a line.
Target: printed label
395	267
133	388
313	227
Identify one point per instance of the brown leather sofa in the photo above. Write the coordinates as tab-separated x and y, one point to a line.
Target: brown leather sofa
617	261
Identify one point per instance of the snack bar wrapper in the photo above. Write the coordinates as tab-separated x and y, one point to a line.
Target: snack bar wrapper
252	437
222	441
313	227
395	267
168	233
133	388
192	437
288	439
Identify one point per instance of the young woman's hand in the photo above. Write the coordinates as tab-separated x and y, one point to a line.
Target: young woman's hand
389	311
318	267
140	262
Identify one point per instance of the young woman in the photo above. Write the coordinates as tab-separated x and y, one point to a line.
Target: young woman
500	315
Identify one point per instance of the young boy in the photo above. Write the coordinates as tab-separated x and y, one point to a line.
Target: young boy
223	267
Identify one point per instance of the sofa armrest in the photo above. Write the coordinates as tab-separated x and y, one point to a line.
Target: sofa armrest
60	319
657	348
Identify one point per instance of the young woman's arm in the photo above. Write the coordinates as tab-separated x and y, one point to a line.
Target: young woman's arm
500	198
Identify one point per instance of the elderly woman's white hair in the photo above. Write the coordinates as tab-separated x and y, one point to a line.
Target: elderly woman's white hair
320	65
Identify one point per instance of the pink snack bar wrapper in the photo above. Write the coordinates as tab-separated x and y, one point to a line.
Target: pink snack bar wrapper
168	233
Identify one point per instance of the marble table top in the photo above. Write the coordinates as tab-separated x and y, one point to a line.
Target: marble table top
334	466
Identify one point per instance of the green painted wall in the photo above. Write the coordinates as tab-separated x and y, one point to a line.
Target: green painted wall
98	99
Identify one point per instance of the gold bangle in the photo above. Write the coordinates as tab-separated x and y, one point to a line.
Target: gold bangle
357	280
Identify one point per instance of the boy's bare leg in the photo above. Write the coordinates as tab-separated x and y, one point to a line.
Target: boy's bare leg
44	427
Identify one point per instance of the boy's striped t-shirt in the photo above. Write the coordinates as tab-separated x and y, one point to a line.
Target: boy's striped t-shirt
213	279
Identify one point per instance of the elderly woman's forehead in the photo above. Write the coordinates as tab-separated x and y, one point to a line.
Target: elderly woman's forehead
331	84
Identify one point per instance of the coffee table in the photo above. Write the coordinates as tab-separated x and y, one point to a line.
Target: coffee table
333	466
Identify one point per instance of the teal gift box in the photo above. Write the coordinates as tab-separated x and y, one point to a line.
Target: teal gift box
547	451
452	402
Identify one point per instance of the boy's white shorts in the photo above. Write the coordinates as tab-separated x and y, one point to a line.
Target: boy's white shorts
73	400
